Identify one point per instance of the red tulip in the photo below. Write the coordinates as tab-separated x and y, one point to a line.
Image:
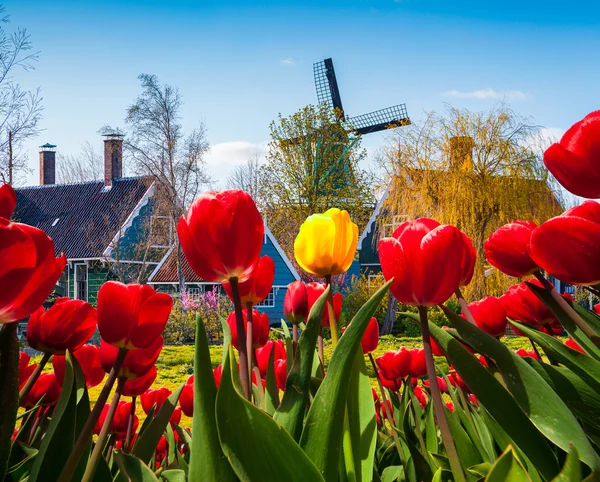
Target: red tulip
136	363
574	345
554	328
457	381
489	315
139	385
426	260
370	339
473	399
8	201
25	369
468	261
260	328
442	385
186	399
263	354
66	325
161	450
176	416
482	360
417	363
523	305
295	303
395	364
421	396
314	290
222	235
88	357
217	374
450	406
45	386
567	246
120	421
435	348
597	308
393	385
281	373
508	249
28	270
258	286
375	396
527	353
574	161
131	316
154	398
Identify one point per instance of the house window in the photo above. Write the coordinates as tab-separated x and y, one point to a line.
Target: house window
193	293
269	301
81	282
161	232
388	229
375	280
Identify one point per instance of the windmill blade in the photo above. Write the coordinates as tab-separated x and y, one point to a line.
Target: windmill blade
326	85
379	120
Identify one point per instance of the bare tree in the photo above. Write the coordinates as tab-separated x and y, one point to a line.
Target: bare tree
156	142
88	165
247	177
20	110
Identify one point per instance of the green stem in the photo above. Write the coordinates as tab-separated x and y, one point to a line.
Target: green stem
331	312
438	404
126	447
97	453
88	429
242	349
568	309
33	377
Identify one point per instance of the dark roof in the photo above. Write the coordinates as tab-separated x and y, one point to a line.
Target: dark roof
167	271
81	218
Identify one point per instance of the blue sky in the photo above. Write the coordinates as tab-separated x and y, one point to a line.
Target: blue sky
239	64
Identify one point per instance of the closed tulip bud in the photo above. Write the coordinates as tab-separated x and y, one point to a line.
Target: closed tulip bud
222	235
175	416
138	386
326	243
489	315
120	421
567	246
426	260
8	201
131	316
450	406
28	271
154	398
314	291
574	346
136	362
186	399
217	373
260	328
281	373
508	249
370	339
417	367
523	305
442	385
66	325
258	285
457	381
527	354
45	386
473	399
263	354
88	357
295	303
421	396
574	160
395	364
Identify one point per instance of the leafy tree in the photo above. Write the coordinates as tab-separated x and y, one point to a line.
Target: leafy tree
313	165
475	170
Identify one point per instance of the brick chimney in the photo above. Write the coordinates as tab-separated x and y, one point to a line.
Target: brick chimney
113	158
47	164
461	153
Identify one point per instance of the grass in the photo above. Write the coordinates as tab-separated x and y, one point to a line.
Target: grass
176	362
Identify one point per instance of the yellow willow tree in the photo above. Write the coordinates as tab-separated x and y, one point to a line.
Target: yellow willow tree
312	165
475	170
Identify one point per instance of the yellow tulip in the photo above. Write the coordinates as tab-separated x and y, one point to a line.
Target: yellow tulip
326	243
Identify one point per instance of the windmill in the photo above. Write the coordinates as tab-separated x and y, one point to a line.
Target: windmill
379	120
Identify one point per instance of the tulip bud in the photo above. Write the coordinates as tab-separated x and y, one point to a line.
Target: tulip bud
295	303
370	339
508	249
489	315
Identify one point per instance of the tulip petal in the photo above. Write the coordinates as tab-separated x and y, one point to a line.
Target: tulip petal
116	315
314	246
152	318
394	265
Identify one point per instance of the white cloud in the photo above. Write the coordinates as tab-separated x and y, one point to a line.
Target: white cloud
487	94
288	61
225	155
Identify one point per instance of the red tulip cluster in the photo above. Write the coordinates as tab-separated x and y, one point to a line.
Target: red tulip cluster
395	366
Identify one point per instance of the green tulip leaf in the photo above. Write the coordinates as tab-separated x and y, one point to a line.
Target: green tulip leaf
272	392
535	397
322	434
480	469
146	443
249	438
467	453
226	338
498	401
508	468
173	475
135	468
289	346
361	420
393	473
68	419
571	471
290	413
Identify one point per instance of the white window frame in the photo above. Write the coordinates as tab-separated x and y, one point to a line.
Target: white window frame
152	218
87	281
269	301
193	292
